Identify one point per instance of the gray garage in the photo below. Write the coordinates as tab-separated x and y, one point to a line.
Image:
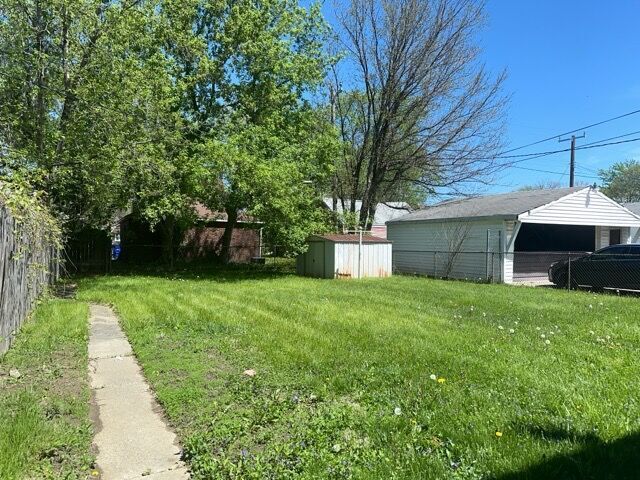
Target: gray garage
508	237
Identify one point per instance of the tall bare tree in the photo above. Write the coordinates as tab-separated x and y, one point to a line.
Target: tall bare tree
423	111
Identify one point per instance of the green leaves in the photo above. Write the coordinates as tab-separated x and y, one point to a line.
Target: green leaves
246	78
622	181
153	105
33	218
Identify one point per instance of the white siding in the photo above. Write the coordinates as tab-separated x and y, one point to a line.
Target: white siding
511	230
627	235
375	260
424	248
326	259
602	237
585	207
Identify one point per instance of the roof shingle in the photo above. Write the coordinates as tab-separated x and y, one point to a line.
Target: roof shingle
507	205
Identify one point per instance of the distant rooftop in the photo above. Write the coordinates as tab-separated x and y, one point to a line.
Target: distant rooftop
205	213
634	207
384	211
507	205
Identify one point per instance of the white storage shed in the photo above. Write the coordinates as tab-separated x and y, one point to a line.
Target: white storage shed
346	256
508	237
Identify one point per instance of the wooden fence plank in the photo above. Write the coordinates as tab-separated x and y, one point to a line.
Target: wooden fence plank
28	263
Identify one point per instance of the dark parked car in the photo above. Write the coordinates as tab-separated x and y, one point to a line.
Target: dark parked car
617	266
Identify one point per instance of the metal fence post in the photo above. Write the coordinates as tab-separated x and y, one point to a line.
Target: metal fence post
435	272
487	258
493	267
435	268
569	273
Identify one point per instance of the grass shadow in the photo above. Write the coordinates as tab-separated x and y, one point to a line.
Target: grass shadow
209	271
593	459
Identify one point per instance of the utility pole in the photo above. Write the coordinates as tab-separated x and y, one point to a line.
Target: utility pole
572	165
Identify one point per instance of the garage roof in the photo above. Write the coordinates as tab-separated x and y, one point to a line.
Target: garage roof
506	205
561	206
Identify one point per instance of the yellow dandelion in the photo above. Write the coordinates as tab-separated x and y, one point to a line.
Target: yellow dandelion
441	380
498	434
95	473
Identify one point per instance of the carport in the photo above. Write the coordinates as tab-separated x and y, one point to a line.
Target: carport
510	237
537	246
573	225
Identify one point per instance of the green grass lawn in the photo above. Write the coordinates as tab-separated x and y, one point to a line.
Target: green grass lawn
45	432
529	383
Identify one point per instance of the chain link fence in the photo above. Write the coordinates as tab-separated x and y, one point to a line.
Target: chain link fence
613	268
94	256
478	266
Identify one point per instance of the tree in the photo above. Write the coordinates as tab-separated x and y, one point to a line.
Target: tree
455	235
88	97
155	104
272	175
622	181
424	112
247	68
548	185
69	102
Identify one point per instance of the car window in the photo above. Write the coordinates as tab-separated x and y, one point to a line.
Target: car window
608	253
634	249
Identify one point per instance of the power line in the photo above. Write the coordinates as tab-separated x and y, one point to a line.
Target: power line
555	173
582	147
572	131
573	166
587	169
586	147
564	173
523	157
612	138
596	144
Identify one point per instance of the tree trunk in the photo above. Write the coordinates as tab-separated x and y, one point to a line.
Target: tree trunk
367	210
40	79
168	241
232	220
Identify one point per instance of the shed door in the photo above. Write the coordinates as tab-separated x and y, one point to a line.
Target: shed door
315	260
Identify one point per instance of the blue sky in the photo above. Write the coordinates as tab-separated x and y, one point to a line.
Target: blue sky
569	64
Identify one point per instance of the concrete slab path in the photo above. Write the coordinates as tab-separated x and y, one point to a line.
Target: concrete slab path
132	440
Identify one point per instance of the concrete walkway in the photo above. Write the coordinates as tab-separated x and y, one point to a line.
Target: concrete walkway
132	439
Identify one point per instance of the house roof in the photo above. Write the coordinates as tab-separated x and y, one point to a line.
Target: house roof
633	207
384	211
349	238
506	205
204	213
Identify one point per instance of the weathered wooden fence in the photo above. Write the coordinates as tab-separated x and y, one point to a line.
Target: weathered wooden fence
28	263
88	251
